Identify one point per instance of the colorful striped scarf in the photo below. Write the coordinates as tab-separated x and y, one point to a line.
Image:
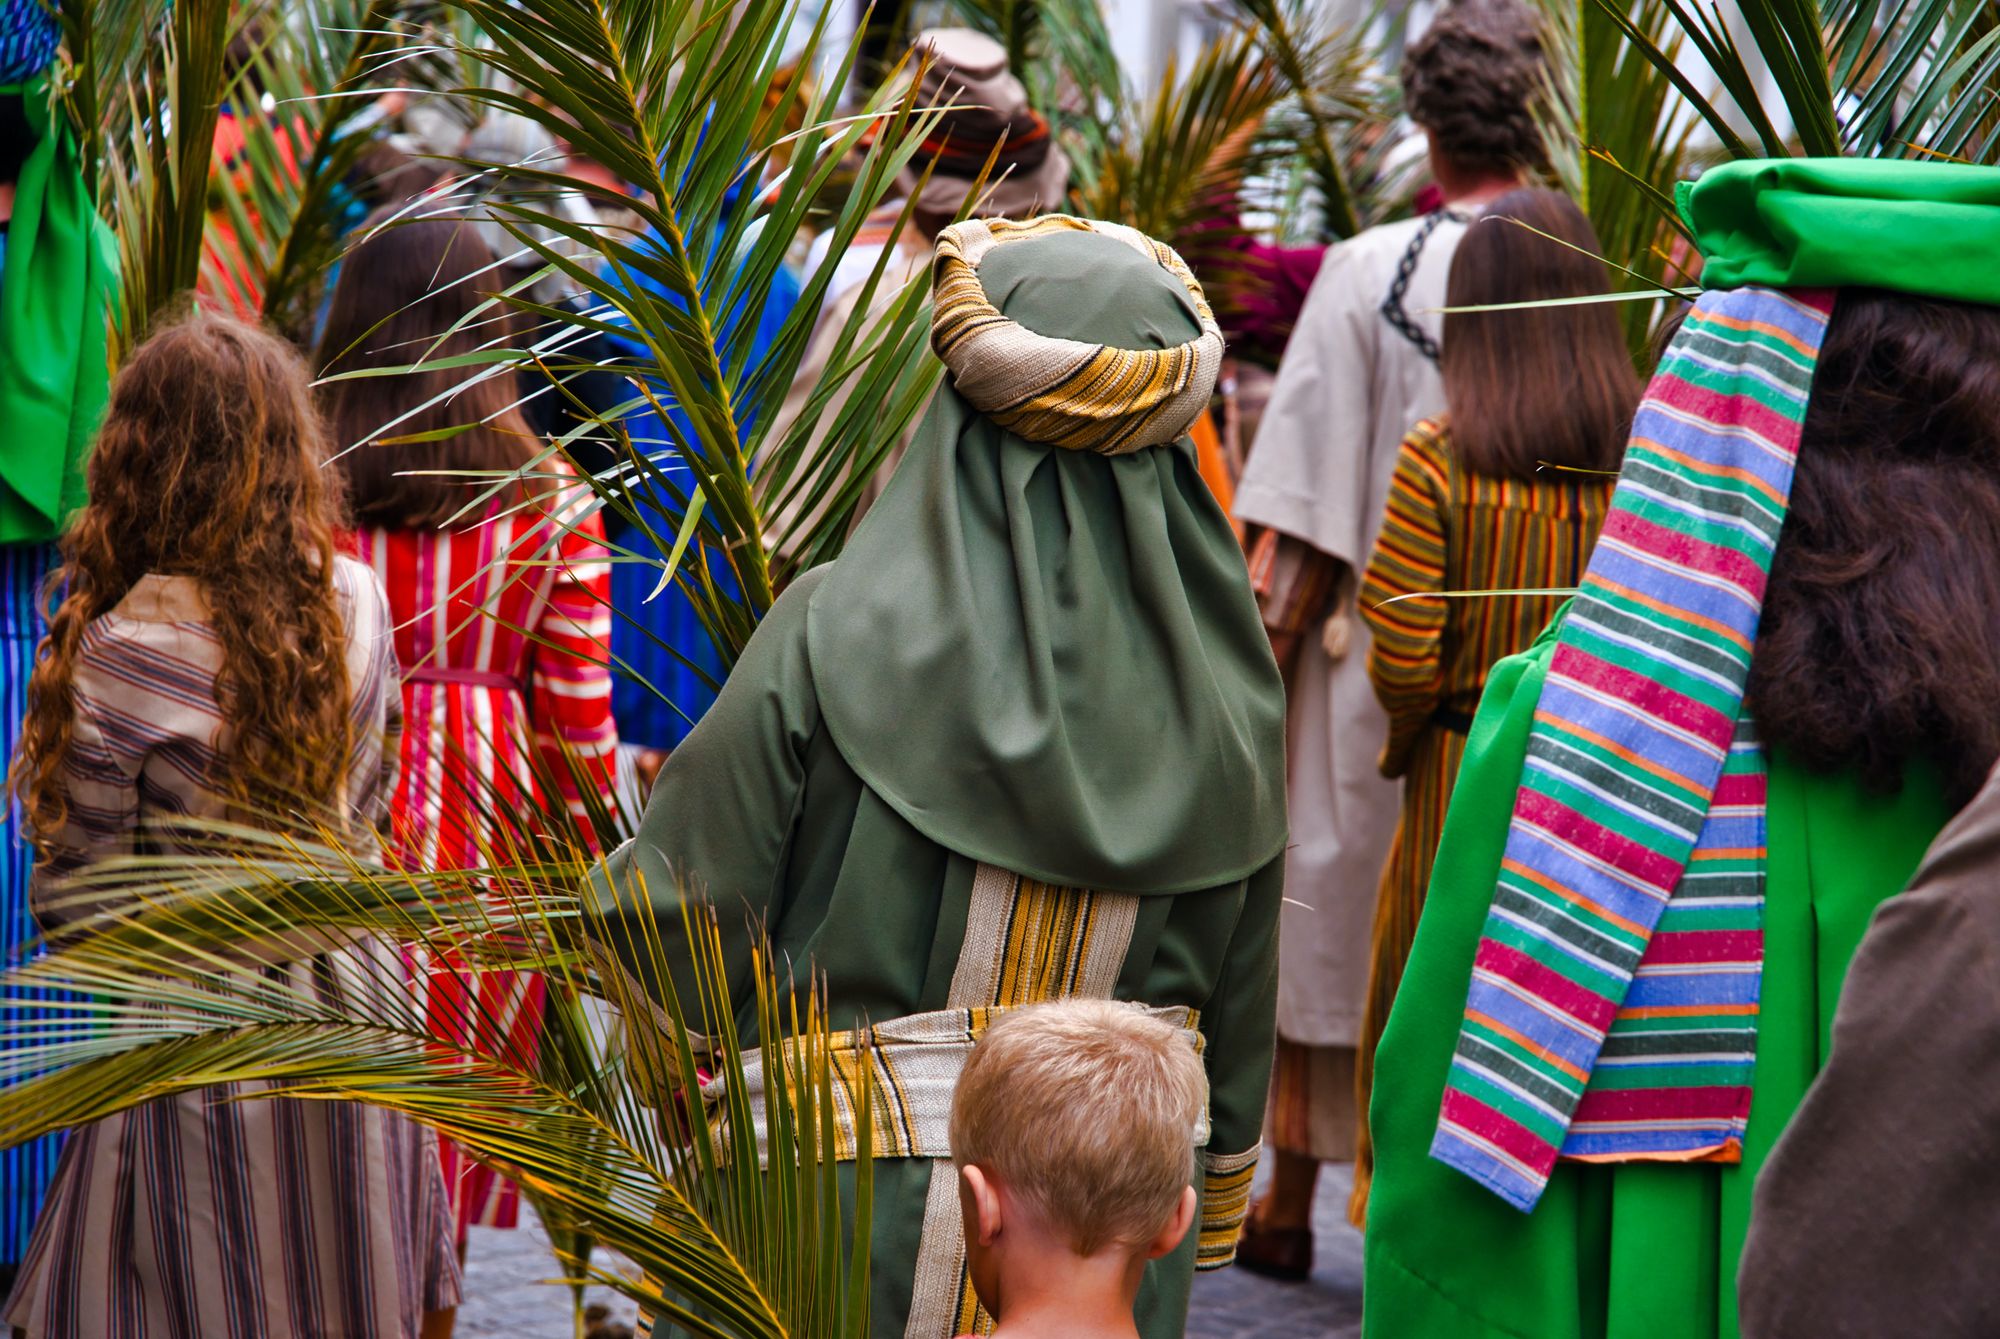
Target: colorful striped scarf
1611	1015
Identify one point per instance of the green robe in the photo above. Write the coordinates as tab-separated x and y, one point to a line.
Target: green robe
761	809
1643	1251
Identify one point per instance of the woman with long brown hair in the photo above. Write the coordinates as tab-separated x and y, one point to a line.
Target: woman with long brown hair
212	657
501	607
1506	492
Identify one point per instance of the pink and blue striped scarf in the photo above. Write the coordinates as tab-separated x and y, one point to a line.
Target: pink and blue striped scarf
1612	1010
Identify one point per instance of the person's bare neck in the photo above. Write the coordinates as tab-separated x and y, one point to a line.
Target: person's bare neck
1460	186
6	201
1054	1293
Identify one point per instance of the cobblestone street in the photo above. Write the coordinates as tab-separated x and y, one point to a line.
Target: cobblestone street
508	1296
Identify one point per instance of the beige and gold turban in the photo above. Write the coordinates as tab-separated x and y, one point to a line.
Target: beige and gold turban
1062	392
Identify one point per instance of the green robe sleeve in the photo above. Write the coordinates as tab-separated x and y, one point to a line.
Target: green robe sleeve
721	817
1239	1026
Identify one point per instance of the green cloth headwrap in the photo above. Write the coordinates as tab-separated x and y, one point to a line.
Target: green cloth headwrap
1050	660
54	295
1929	228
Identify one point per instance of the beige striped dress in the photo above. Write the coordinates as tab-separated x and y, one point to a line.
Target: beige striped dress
194	1217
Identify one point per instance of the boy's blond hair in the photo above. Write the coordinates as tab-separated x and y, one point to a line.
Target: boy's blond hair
1086	1109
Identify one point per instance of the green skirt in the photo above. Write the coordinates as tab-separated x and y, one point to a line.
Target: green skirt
1643	1251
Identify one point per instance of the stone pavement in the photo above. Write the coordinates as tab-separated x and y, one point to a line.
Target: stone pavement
507	1296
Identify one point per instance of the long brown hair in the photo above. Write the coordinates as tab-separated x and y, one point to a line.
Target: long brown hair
209	466
1550	384
1880	639
401	290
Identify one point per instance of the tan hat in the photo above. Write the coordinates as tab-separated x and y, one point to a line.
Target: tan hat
968	71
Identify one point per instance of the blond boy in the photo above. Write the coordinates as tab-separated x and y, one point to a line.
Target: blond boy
1073	1130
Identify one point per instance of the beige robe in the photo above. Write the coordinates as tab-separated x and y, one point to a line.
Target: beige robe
826	342
1349	388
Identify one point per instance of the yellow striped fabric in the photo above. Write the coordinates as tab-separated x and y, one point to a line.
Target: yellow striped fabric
910	1066
1225	1205
1063	392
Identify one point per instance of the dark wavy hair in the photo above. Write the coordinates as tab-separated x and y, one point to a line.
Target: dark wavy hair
1536	385
1880	642
1474	81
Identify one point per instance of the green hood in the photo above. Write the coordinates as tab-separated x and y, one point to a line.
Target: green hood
1050	660
1928	228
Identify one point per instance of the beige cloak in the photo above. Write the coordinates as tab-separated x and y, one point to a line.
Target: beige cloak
1350	386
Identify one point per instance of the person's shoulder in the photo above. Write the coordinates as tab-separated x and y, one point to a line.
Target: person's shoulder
1430	439
778	649
1385	242
795	600
1949	898
363	603
355	581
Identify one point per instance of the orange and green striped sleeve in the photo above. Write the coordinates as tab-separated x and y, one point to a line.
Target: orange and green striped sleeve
1405	660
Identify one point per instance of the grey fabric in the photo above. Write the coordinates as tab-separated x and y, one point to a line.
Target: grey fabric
1878	1212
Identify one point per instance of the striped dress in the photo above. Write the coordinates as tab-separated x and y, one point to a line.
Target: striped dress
26	1169
502	630
1448	529
192	1215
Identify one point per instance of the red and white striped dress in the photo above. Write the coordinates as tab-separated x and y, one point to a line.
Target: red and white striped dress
503	631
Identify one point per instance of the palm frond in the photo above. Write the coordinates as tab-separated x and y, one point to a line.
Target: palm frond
641	1140
1856	77
1183	158
303	108
1330	72
670	97
144	87
1620	134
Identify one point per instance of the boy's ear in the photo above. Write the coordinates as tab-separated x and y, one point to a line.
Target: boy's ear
1177	1227
981	1202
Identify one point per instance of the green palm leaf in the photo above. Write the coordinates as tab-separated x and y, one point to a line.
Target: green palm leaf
670	97
728	1246
303	105
1852	77
1329	71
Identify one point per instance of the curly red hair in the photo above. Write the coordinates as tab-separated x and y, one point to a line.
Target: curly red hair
209	465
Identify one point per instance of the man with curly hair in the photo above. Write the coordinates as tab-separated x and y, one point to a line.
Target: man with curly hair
1361	368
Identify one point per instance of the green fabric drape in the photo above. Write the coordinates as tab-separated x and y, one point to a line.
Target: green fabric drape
1050	660
1923	227
1629	1252
54	296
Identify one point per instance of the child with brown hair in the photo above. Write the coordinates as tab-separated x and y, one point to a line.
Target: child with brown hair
1074	1128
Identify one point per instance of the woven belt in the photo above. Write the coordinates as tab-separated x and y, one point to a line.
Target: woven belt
469	678
1458	722
916	1061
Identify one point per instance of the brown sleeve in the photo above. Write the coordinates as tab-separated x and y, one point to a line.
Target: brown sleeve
1295	584
1877	1212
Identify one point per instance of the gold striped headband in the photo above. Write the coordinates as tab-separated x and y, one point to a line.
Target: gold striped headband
1063	392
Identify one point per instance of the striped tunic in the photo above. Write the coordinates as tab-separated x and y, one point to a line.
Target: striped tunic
24	1170
503	630
1448	529
194	1216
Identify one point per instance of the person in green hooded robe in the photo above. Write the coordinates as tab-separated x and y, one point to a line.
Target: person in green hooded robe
1022	740
1871	683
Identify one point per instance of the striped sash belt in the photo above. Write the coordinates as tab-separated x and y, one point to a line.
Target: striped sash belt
914	1063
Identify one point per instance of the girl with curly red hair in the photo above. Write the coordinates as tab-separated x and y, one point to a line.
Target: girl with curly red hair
213	658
